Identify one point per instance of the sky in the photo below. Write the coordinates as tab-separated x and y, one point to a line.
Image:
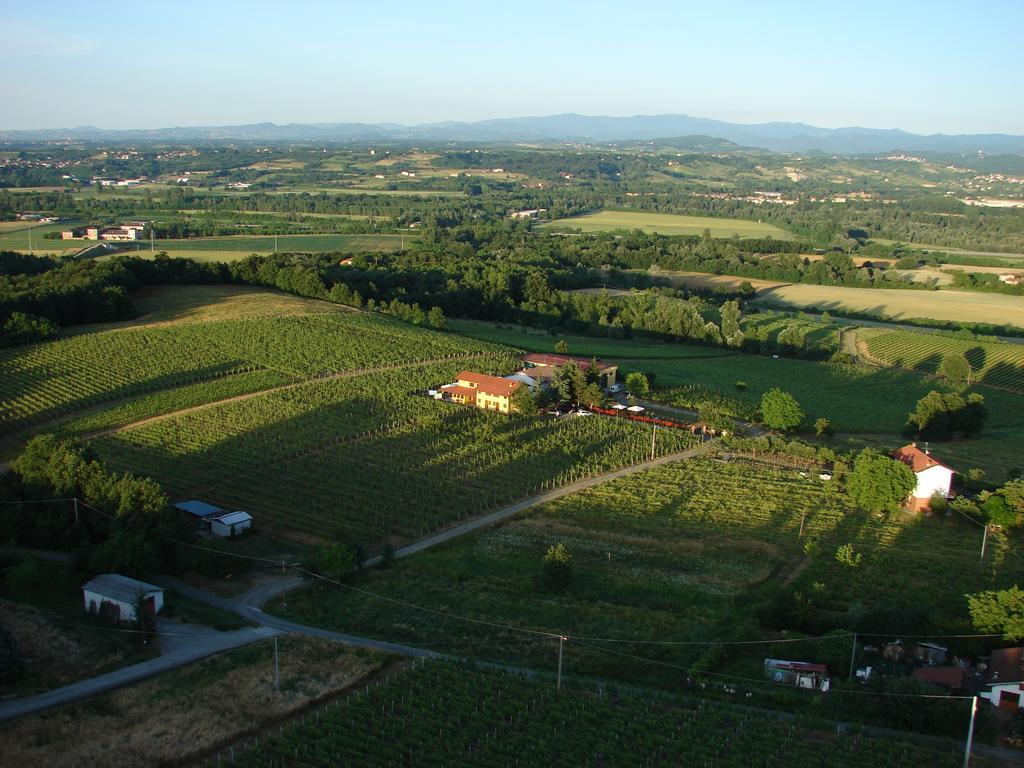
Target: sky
927	66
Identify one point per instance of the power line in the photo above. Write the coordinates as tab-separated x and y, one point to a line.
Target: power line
539	633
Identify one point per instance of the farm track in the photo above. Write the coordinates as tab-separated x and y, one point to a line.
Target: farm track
271	390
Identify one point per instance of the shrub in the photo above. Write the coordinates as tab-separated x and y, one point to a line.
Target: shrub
557	568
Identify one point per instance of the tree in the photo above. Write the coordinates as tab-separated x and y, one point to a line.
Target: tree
955	368
557	568
524	401
999	511
436	319
780	410
124	552
731	332
637	384
938	415
999	611
591	395
822	427
334	561
715	415
569	383
878	482
562	347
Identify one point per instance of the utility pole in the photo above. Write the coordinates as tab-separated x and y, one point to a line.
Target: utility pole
277	668
152	245
76	510
654	436
984	539
853	654
970	732
30	240
803	516
558	682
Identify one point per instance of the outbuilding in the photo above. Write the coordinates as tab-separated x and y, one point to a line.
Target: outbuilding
200	511
230	523
115	597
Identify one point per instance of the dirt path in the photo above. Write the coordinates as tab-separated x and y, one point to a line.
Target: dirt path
271	390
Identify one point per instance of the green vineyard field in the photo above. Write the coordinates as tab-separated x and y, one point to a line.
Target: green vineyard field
996	364
442	714
709	536
371	456
56	378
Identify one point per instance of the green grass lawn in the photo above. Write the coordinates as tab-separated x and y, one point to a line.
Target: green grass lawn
670	224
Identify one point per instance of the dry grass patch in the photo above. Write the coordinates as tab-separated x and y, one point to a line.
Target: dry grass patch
56	652
180	715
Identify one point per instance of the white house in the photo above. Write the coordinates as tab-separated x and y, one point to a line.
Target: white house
115	597
933	477
230	523
1004	679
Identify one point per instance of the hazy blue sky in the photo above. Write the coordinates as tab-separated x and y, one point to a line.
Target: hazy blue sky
922	65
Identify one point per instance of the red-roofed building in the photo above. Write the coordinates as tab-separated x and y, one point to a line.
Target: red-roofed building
933	477
489	393
947	677
606	372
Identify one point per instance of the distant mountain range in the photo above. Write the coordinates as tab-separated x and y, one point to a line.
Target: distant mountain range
781	137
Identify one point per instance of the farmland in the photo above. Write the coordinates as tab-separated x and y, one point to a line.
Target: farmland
238	247
899	304
993	363
719	539
368	457
493	718
56	378
670	224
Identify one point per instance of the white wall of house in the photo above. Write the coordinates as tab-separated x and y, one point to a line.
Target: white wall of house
219	529
93	601
933	480
995	695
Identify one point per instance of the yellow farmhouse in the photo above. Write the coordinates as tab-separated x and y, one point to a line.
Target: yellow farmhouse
489	393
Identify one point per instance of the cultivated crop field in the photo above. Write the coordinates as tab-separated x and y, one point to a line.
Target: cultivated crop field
443	714
900	304
680	553
17	239
994	363
368	457
670	224
611	350
55	378
235	247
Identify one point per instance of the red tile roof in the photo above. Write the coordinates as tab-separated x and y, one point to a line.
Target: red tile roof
490	385
546	359
457	391
950	677
917	459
